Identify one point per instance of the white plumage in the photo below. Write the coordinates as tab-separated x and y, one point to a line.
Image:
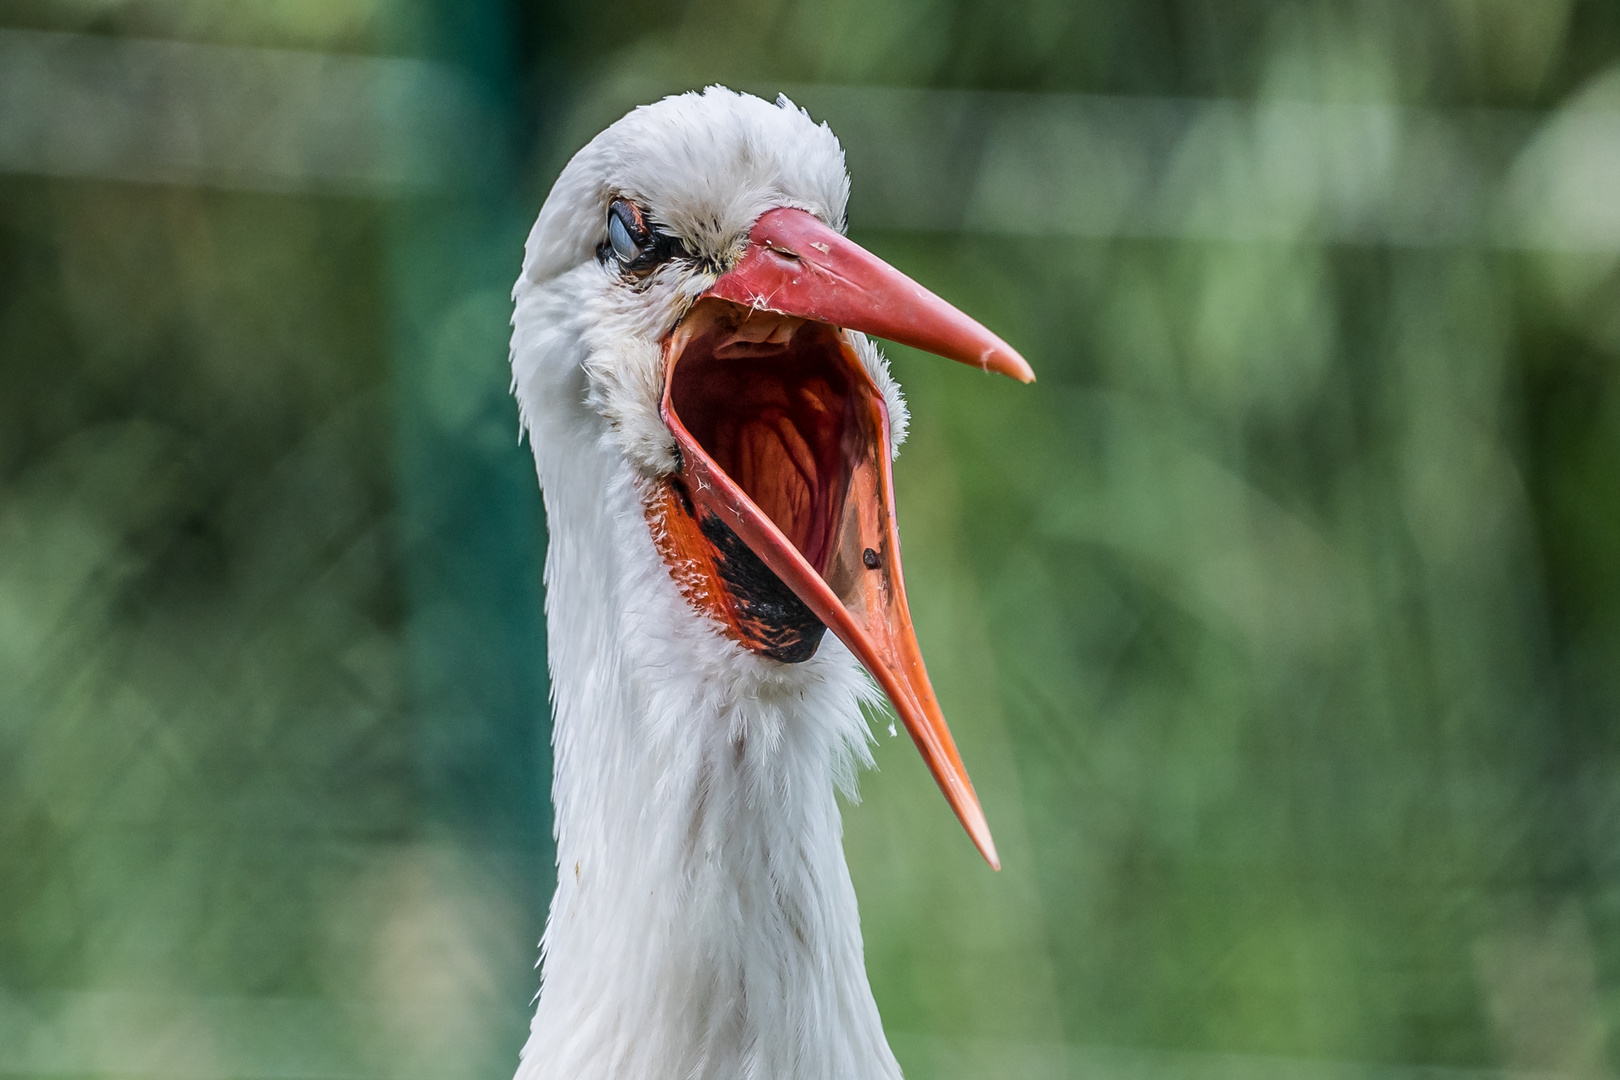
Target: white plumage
704	924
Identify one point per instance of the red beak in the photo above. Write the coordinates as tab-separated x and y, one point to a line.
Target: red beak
795	265
843	558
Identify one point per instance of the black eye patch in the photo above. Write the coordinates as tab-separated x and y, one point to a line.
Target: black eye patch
634	242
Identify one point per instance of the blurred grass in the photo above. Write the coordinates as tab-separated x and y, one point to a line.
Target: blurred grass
1279	621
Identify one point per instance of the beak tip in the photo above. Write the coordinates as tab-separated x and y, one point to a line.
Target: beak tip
979	832
987	848
1009	363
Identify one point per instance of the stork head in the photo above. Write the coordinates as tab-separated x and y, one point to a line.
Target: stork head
716	321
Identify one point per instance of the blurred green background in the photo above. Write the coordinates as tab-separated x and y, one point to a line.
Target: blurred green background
1279	622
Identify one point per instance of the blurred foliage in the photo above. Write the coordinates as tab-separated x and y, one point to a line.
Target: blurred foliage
1279	621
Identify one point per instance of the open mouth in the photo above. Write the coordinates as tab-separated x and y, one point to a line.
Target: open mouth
779	519
780	408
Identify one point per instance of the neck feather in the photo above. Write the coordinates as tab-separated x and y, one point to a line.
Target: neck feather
704	924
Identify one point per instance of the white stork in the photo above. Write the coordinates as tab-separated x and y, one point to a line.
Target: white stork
713	432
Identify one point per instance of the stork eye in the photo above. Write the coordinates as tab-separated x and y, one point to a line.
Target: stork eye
632	240
624	248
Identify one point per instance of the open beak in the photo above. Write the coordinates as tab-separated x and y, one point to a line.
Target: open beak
784	443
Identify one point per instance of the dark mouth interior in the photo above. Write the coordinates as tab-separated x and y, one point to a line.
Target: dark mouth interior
778	416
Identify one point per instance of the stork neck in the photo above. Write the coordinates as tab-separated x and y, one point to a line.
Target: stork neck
704	924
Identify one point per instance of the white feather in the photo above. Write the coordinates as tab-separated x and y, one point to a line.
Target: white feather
704	924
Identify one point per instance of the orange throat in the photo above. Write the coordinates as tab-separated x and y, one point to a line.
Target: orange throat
721	578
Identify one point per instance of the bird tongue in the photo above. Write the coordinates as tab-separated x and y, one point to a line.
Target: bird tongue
797	267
